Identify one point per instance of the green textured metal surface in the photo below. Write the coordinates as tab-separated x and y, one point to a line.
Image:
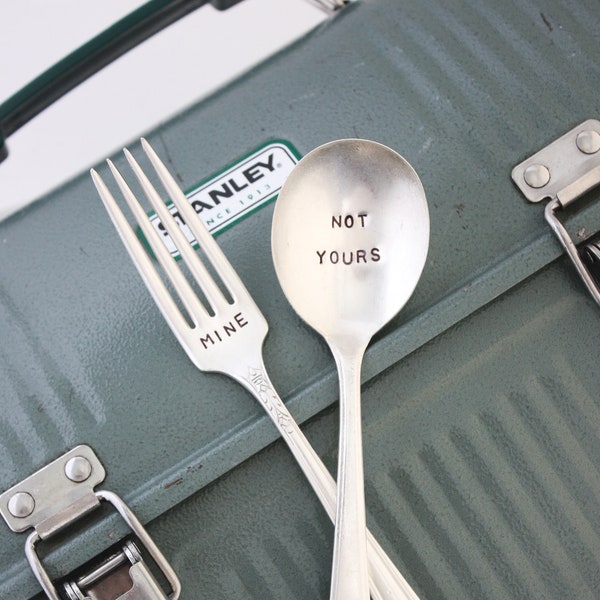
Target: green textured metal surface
462	479
482	476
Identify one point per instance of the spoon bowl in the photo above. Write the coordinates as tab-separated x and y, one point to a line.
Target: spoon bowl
350	237
349	242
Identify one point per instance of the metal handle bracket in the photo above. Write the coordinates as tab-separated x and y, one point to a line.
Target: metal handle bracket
58	496
564	171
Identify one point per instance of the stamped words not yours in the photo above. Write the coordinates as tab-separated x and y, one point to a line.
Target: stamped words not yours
353	255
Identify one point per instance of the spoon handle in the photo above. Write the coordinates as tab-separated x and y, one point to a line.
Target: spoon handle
350	575
386	581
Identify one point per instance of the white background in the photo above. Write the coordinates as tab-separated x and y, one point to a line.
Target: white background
193	57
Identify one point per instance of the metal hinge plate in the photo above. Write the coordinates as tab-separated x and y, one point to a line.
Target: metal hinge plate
564	171
56	495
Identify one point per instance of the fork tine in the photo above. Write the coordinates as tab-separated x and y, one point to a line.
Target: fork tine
141	260
193	306
204	238
212	292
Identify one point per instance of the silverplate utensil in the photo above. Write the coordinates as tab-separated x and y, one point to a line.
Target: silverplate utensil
349	242
238	355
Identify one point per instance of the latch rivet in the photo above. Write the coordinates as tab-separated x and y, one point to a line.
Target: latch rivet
21	505
78	469
536	176
589	141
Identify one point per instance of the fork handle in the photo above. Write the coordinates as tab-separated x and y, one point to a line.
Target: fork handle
385	581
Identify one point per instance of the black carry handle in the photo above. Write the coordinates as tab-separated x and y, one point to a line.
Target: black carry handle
90	58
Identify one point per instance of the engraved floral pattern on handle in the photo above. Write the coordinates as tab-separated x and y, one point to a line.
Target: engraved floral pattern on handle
267	395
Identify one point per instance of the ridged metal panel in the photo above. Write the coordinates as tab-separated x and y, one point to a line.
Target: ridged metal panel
482	453
465	479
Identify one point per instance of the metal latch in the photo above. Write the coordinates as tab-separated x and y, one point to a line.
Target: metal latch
564	171
59	495
122	575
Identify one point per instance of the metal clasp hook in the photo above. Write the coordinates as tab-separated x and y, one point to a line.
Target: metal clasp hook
564	171
58	496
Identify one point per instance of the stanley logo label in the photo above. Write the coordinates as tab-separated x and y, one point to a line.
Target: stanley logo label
236	192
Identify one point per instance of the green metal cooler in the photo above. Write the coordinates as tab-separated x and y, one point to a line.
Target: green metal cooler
481	405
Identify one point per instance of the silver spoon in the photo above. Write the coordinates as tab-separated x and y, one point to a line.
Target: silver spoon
349	241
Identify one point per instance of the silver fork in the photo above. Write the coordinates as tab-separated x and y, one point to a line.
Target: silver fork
230	339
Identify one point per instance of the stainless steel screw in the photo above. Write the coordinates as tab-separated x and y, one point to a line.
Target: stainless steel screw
21	505
78	469
536	176
588	141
